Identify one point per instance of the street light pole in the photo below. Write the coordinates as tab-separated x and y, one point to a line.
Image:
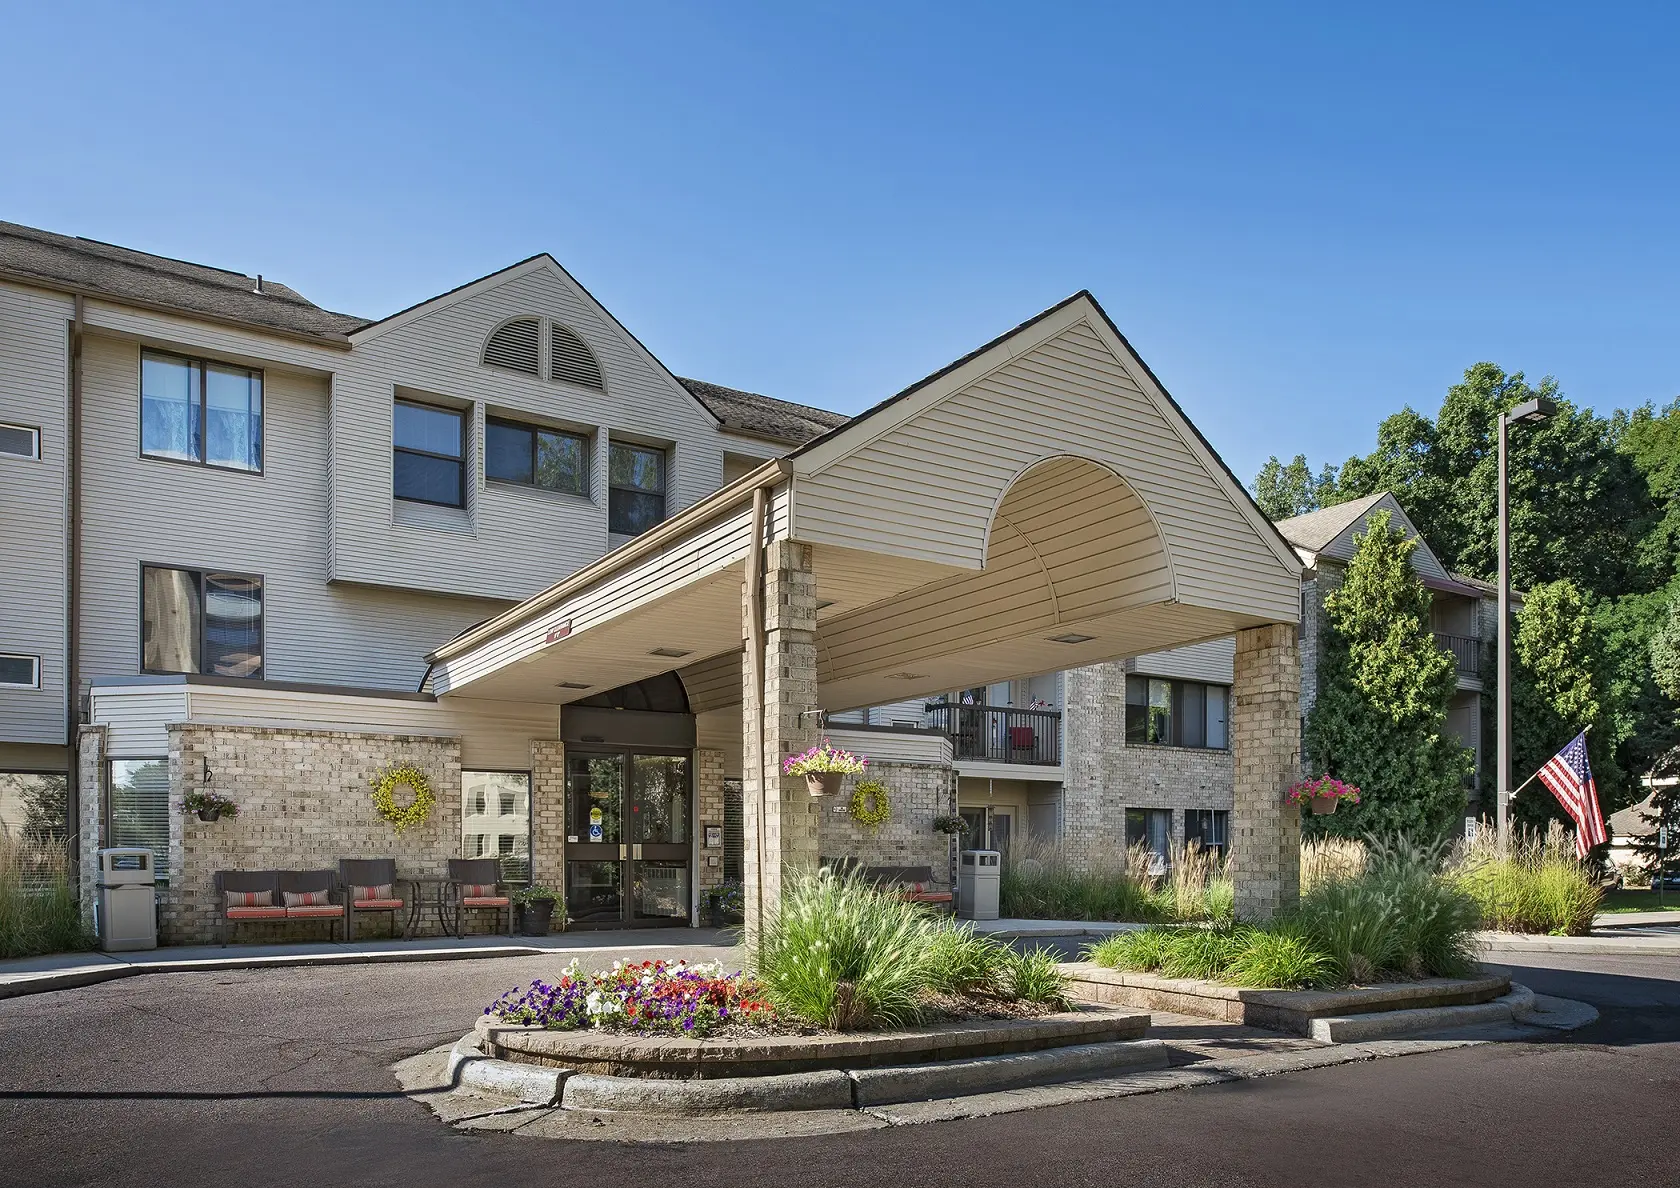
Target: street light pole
1537	409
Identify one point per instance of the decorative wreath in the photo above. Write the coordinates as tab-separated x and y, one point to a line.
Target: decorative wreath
870	805
385	787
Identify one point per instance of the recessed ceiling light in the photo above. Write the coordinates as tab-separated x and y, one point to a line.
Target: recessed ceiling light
825	605
670	653
571	685
1072	637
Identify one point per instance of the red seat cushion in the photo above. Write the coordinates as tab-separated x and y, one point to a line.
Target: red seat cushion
485	901
316	909
256	913
378	905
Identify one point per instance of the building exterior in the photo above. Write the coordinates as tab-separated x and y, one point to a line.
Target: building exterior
269	550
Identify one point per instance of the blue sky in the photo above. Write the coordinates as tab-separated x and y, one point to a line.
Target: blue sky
1302	218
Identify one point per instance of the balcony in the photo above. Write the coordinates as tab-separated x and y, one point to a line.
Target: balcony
999	734
1467	650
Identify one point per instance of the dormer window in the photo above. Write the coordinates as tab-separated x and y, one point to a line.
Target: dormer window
514	346
571	361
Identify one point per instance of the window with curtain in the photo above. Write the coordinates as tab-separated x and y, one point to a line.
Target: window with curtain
1152	829
635	488
428	463
193	410
1172	713
1207	826
199	621
139	807
504	832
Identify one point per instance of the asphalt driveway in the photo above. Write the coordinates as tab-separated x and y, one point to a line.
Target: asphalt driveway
282	1077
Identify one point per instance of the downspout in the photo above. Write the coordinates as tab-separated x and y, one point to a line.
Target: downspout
755	672
72	581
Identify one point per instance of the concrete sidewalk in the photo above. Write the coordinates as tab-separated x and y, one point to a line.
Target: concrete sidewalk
33	975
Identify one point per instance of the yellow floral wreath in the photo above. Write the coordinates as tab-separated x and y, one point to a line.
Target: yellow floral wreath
870	805
385	787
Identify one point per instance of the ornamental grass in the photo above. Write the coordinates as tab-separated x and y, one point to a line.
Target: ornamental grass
1039	882
38	909
1538	885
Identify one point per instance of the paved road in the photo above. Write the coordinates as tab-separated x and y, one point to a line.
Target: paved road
281	1077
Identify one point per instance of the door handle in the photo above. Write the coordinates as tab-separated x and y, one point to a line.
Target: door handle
623	852
636	851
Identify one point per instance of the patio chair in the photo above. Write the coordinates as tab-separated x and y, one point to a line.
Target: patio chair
308	895
247	896
370	885
476	883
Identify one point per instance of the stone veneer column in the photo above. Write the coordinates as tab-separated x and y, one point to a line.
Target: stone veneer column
548	813
1265	749
708	810
90	811
784	820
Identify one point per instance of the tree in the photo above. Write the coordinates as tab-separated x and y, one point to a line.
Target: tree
1384	687
1285	491
1665	652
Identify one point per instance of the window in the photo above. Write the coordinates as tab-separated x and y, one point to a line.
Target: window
636	489
20	440
1207	826
506	835
139	806
193	621
18	671
430	448
545	458
1151	829
34	807
196	411
1175	713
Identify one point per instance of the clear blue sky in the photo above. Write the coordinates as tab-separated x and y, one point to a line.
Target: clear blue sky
1302	221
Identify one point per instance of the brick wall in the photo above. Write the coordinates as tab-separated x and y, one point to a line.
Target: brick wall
548	813
90	785
918	793
1265	746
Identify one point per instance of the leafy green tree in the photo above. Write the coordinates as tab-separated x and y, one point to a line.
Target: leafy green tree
1665	652
1384	687
1289	490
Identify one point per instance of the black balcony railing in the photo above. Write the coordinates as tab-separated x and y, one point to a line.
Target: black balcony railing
1465	649
998	734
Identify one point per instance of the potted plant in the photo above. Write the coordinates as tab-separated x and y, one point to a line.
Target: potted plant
210	806
823	767
1322	794
535	906
954	826
725	905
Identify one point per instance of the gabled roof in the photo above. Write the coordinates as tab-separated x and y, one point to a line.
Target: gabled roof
1318	528
89	266
763	416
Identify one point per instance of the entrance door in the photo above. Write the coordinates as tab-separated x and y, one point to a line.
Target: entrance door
628	838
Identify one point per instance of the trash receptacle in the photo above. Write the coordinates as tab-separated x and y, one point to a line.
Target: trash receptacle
977	884
127	907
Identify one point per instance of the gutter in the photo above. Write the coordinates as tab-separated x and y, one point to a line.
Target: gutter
651	541
755	668
72	578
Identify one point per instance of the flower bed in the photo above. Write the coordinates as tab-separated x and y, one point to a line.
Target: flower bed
648	998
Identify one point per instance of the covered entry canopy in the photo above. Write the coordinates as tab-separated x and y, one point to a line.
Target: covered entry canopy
1040	504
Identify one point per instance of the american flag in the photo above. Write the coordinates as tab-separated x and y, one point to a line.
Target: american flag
1569	776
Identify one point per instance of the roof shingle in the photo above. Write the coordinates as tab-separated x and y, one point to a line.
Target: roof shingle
763	416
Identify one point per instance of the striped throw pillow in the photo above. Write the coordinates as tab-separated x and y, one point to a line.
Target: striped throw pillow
382	891
478	890
250	899
306	899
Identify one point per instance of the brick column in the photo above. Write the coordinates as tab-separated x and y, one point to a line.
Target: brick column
784	819
90	805
548	813
1265	749
708	810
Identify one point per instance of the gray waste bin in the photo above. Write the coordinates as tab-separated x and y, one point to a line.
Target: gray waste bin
127	907
978	873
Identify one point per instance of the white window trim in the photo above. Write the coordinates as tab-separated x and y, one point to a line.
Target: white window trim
35	434
34	660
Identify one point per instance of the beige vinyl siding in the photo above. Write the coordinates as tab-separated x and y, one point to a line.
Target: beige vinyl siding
511	543
137	718
882	745
140	510
1424	560
1210	662
926	487
34	391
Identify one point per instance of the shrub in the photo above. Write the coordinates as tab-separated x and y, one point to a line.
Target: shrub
1142	951
38	909
1039	883
1327	858
959	961
1537	885
1197	887
1035	977
1201	952
838	954
1279	958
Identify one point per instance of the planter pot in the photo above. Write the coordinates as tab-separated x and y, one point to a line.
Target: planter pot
209	814
1324	804
535	917
824	783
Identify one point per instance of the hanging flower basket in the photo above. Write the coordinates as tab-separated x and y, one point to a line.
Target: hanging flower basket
1323	794
209	806
823	766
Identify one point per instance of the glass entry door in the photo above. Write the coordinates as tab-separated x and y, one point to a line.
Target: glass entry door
628	838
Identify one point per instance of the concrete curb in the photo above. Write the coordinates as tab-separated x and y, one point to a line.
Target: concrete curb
469	1068
1494	943
1521	1006
985	1074
828	1089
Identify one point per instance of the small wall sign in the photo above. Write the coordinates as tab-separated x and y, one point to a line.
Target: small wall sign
714	837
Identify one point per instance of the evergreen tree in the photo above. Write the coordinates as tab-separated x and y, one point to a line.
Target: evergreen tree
1379	720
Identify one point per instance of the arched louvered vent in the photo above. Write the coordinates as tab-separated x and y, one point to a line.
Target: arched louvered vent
514	346
570	359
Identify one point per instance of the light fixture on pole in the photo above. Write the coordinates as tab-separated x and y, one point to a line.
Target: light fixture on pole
1528	411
